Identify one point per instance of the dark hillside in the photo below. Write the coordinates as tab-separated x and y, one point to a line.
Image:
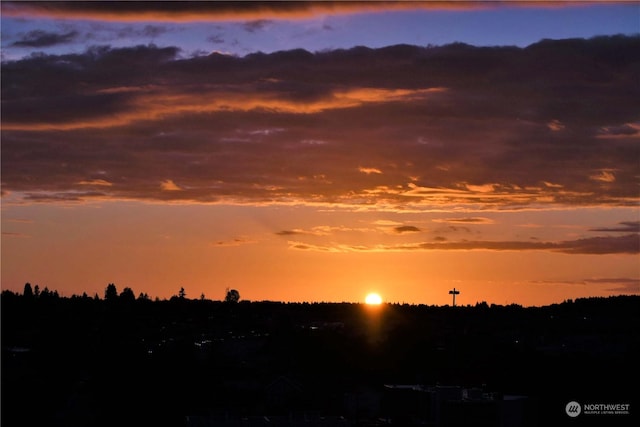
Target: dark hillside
92	362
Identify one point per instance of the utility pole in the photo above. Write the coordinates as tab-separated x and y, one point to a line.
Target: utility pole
454	293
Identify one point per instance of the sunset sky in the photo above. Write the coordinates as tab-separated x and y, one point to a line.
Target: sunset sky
318	151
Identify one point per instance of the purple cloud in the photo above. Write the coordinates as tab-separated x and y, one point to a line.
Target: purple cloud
151	116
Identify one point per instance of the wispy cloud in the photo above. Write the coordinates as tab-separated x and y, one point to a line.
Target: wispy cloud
238	241
627	244
319	230
39	38
625	285
604	176
465	220
369	171
623	227
401	229
289	232
619	284
96	182
257	25
169	185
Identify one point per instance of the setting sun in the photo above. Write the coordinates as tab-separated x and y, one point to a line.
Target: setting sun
373	299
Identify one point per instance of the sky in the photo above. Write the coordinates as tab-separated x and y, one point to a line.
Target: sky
319	151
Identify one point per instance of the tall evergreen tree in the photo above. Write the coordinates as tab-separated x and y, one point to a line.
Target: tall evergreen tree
111	292
28	291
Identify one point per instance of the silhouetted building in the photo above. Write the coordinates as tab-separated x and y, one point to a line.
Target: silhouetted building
449	406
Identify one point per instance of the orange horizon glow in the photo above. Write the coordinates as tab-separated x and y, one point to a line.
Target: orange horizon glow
154	251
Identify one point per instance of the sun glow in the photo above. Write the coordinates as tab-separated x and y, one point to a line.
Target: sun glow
373	299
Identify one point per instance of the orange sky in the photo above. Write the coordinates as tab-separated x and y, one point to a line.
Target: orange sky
510	173
157	249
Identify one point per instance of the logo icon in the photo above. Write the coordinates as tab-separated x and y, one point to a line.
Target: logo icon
573	409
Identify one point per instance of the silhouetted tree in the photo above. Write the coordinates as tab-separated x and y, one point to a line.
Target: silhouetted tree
127	295
28	292
232	295
36	291
182	294
46	294
111	293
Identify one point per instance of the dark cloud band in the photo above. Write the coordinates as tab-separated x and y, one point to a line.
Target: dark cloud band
399	128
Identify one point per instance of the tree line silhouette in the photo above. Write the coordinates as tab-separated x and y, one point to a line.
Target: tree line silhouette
126	360
111	294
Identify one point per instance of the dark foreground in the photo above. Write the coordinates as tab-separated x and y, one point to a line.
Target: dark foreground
91	362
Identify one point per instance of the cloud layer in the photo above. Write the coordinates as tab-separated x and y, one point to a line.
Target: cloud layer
627	242
191	11
400	128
